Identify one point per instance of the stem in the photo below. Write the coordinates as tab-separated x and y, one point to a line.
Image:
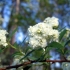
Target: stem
30	62
16	48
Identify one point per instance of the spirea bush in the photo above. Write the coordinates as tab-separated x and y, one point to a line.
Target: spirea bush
41	39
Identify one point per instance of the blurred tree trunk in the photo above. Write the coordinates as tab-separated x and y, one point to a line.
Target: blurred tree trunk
14	26
15	20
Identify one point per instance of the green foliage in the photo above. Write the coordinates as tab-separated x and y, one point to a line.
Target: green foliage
33	54
58	46
61	2
27	54
62	33
2	49
68	42
55	45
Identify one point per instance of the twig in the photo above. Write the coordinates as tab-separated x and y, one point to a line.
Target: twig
29	62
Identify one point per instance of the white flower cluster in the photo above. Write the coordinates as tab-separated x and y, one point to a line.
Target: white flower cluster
53	20
3	37
43	33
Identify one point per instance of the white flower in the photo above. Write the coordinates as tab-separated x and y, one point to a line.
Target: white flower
43	42
32	30
3	37
33	42
44	29
55	33
42	33
37	42
53	21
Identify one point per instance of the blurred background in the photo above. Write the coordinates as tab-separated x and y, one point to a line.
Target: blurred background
18	15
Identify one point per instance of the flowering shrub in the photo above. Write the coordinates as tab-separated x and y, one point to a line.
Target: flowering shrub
41	38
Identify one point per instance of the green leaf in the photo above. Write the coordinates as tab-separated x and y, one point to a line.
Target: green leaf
27	54
16	53
59	47
32	58
63	32
67	52
44	54
56	45
40	58
67	42
38	53
48	49
30	53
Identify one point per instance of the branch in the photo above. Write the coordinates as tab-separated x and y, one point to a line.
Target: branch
29	62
